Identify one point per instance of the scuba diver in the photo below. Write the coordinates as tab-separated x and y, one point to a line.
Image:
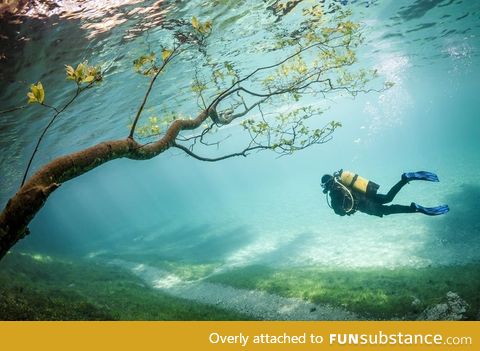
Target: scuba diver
350	193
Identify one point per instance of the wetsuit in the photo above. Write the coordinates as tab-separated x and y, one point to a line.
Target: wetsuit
372	204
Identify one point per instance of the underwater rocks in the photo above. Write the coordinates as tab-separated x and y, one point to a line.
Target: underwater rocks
452	310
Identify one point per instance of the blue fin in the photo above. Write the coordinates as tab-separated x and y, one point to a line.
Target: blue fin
420	175
431	211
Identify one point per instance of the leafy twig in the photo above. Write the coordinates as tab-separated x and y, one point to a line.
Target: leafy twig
152	82
57	113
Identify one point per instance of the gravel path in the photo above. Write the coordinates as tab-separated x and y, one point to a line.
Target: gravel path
254	303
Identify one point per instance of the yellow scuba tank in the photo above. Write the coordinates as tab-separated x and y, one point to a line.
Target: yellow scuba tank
355	182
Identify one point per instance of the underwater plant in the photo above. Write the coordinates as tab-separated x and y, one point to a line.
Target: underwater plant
319	56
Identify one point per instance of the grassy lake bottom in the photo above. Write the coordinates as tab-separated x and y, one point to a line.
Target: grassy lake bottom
40	287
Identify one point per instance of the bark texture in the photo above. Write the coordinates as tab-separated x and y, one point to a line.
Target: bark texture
31	197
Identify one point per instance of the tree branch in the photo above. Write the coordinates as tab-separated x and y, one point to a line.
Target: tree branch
13	109
225	92
243	153
147	94
284	134
57	112
30	198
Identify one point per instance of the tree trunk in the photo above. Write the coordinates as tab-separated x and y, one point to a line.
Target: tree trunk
31	197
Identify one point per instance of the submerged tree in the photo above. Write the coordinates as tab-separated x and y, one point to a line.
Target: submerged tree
274	106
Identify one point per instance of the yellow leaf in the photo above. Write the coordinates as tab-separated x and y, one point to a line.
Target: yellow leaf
70	72
41	92
79	72
36	94
208	26
34	90
31	98
91	71
195	22
88	79
166	54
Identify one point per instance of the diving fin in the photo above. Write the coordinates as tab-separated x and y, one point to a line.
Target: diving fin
430	211
420	175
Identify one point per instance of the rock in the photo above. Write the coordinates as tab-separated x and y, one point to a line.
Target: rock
416	302
452	310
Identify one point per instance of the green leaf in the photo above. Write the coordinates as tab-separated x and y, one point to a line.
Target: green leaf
83	73
166	54
70	72
79	72
145	65
207	26
88	79
41	93
195	22
31	98
36	93
203	28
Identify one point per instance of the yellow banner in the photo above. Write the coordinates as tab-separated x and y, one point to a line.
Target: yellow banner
331	336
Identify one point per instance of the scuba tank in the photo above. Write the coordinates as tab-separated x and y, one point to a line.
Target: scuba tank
357	183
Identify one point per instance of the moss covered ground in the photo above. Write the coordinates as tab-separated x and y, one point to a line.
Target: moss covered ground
401	293
183	269
38	287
